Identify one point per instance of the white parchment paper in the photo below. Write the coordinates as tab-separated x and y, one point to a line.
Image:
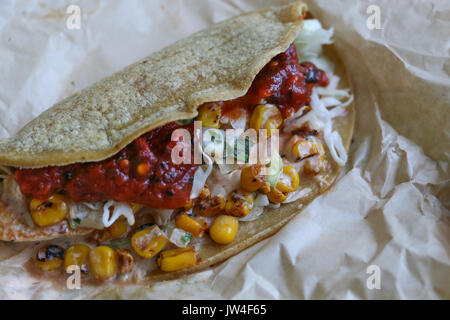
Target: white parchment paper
387	213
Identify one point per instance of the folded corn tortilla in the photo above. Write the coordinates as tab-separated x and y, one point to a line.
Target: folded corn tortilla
216	64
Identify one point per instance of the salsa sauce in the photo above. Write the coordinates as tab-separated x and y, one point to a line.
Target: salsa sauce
140	173
143	171
283	82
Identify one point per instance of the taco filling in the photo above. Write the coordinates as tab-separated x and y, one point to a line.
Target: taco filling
139	204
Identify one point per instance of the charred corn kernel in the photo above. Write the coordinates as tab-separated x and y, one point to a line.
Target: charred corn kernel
50	211
209	114
239	204
149	241
77	254
224	229
186	223
289	179
266	116
204	224
210	206
304	148
103	262
204	193
251	178
265	188
49	258
314	165
125	259
177	259
142	169
116	230
276	196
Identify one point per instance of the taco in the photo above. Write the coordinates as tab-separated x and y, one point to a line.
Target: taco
97	178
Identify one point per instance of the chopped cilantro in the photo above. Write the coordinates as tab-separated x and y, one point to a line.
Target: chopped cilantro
74	222
186	238
119	243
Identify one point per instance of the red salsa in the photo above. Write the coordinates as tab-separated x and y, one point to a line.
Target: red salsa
283	82
143	171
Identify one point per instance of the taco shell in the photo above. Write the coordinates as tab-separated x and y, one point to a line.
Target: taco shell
216	64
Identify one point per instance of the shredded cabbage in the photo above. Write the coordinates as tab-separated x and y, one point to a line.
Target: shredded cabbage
219	147
276	166
309	44
94	205
310	41
261	200
118	209
332	138
200	177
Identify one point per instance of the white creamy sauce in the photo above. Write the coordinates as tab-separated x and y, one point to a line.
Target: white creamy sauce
222	184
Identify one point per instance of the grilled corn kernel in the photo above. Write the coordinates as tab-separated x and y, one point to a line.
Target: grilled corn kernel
116	230
204	193
186	223
103	262
304	148
209	114
276	196
50	211
126	260
251	178
239	204
149	241
49	258
266	116
224	229
210	207
77	255
289	179
177	259
265	188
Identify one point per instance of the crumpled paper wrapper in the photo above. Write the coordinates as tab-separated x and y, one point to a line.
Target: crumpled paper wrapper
389	209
